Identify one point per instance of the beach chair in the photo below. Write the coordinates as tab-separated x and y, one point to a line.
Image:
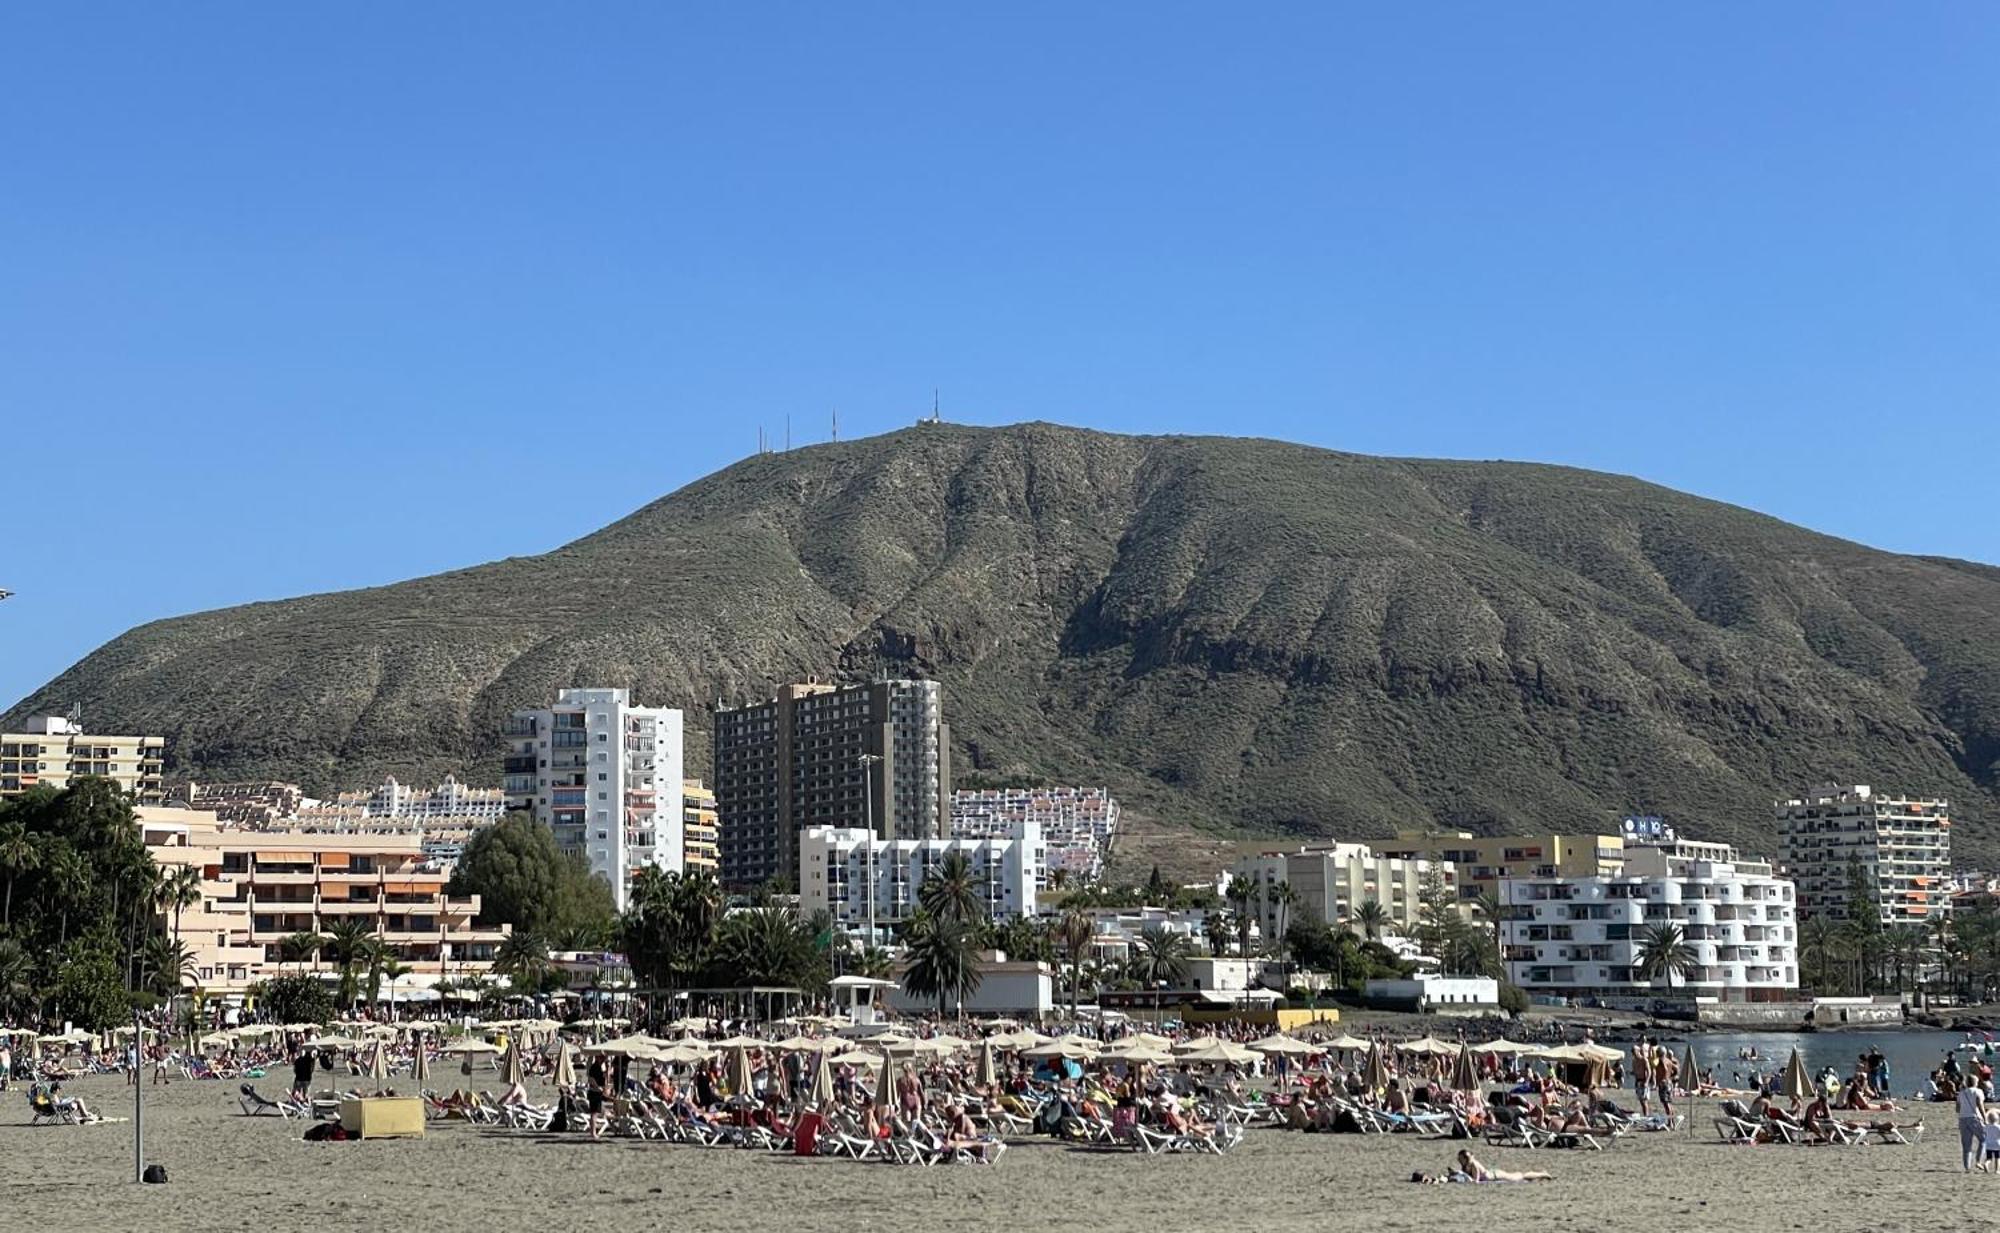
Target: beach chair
47	1111
1519	1133
1732	1129
254	1104
1886	1135
842	1137
913	1148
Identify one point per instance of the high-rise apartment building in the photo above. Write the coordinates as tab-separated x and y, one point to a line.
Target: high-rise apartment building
702	841
824	755
55	750
836	865
605	776
1903	845
1585	936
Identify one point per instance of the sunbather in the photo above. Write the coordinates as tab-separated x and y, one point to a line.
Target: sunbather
1471	1166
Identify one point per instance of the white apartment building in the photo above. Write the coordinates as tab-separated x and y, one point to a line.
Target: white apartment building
1903	844
1077	824
55	749
835	865
1332	881
450	799
605	776
1581	936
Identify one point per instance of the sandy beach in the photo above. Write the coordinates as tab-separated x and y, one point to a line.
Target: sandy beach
229	1171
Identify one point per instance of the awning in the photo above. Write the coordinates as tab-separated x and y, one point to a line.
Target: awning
334	860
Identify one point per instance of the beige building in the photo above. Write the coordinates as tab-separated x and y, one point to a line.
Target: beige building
55	750
1331	882
260	886
1483	861
1902	843
698	821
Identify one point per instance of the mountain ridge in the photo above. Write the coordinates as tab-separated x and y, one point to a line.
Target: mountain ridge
1231	632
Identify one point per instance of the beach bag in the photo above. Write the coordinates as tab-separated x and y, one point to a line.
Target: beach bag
155	1175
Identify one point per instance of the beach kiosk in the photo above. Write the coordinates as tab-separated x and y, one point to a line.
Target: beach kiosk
383	1117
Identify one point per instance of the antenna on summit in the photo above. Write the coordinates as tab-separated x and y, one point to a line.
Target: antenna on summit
836	423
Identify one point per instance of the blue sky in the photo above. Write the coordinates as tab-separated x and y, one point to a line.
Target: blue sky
295	299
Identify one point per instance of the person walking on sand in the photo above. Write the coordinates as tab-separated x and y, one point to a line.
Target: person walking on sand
1971	1125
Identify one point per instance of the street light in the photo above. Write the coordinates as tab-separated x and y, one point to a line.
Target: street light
867	763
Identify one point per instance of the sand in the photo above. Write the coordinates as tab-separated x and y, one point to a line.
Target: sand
232	1172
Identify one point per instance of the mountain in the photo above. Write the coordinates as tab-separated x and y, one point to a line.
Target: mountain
1231	633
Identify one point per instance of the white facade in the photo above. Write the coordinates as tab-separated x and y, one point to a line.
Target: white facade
834	865
1006	987
450	799
605	776
1582	936
1902	843
1077	824
1422	992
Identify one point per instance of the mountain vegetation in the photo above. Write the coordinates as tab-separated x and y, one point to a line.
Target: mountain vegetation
1239	635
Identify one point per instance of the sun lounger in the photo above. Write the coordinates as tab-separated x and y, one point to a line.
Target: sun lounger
255	1105
1893	1135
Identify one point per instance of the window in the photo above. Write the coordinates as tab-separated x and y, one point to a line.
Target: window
601	776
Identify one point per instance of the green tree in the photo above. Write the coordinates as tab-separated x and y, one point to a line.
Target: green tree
350	946
295	998
1663	950
1283	900
523	879
300	948
670	927
524	960
1216	929
1372	917
179	891
17	981
165	966
1864	924
1161	957
392	969
1240	892
19	856
950	890
940	951
1074	932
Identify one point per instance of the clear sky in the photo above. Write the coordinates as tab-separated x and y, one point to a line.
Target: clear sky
296	298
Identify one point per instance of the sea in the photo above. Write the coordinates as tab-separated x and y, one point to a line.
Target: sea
1912	1055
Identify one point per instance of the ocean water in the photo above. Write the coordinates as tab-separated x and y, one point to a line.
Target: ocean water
1912	1055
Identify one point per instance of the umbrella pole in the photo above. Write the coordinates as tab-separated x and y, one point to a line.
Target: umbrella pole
138	1106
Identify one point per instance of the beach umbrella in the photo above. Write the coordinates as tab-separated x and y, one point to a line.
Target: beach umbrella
1690	1073
468	1046
945	1042
1464	1074
378	1066
332	1042
1798	1085
1216	1051
692	1024
1280	1043
885	1085
1426	1044
1503	1046
1376	1073
742	1084
216	1040
1344	1041
420	1061
856	1057
684	1053
563	1073
1025	1038
511	1070
822	1083
1142	1053
1590	1051
742	1042
988	1073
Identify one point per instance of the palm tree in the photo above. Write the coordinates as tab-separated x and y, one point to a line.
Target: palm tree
179	891
941	952
949	891
300	947
165	965
17	970
1162	956
1664	950
1372	917
1215	930
19	854
392	970
1074	931
1239	893
68	879
1820	943
348	944
1284	898
523	958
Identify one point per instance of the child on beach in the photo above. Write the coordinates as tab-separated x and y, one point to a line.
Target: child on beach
1991	1135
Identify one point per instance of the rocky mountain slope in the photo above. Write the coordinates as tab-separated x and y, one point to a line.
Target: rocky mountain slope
1231	633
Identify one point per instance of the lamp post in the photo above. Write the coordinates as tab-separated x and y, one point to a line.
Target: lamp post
867	763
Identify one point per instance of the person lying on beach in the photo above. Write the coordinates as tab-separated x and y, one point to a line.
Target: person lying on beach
1473	1168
